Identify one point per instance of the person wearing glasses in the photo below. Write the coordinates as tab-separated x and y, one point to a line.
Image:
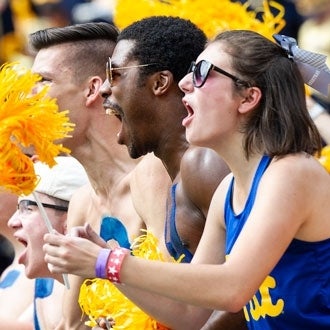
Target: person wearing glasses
266	243
157	51
54	191
71	60
141	89
13	280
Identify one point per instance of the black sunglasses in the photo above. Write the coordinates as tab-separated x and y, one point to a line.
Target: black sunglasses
25	203
202	69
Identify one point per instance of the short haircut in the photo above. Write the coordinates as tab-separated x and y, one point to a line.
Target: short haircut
90	45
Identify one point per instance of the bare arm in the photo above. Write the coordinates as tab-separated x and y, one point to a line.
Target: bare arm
16	325
284	187
71	313
220	320
207	168
202	170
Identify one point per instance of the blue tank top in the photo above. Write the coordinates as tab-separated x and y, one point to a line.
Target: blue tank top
173	241
296	294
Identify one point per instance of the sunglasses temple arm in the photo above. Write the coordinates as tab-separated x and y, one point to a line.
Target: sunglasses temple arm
50	229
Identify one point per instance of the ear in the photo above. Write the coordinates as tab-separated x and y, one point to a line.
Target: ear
92	90
162	81
250	100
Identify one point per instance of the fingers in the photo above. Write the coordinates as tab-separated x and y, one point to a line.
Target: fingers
78	231
53	259
87	232
56	252
71	255
53	238
105	323
94	237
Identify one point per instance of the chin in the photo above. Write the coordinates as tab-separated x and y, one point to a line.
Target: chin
133	153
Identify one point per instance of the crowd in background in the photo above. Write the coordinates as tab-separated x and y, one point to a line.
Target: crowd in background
21	17
308	22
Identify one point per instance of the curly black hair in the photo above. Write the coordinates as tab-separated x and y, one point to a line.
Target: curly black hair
171	42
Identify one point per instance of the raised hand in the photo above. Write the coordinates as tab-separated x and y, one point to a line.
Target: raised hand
71	254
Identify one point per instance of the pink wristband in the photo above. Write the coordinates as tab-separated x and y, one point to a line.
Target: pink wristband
101	263
114	263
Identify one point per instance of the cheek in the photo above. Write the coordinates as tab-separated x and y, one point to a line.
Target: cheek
58	223
35	228
204	129
37	235
67	95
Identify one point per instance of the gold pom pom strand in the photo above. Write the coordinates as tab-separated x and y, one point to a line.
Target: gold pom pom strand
325	157
28	118
222	15
100	298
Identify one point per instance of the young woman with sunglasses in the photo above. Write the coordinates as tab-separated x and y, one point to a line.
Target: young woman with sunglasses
266	244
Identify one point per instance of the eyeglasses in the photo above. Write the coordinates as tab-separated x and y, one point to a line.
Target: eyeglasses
202	69
109	69
23	206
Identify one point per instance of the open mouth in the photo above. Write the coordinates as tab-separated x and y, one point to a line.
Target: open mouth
190	114
111	110
22	241
188	108
22	257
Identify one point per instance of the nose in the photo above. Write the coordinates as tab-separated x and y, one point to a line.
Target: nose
186	83
14	221
105	89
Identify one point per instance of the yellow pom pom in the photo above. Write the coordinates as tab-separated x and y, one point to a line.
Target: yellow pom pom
325	157
28	118
222	15
100	298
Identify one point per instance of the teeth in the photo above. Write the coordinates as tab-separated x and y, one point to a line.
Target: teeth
110	111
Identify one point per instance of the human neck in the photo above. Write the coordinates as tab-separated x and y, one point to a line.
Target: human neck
105	163
172	154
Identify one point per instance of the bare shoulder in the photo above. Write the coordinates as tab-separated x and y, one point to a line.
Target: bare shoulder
81	194
79	204
298	187
202	170
299	167
150	183
203	164
149	171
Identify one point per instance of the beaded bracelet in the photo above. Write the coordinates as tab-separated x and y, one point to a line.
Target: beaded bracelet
114	263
